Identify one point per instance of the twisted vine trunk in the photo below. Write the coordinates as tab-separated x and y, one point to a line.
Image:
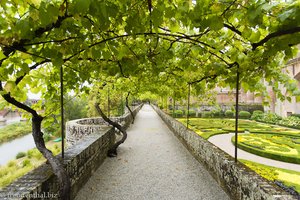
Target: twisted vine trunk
127	106
56	165
112	152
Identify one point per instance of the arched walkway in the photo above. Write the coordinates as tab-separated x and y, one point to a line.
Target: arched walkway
152	164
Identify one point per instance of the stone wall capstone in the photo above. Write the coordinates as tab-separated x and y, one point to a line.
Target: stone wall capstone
238	181
78	129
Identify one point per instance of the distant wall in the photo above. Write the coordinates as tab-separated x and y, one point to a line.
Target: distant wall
81	160
78	129
237	180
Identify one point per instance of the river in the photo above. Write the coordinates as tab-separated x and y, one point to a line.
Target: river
9	150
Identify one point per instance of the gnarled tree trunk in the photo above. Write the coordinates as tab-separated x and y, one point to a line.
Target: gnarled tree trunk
112	152
56	165
127	106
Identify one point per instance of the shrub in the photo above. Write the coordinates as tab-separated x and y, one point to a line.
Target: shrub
26	163
271	118
47	137
217	113
244	114
229	114
296	115
206	114
34	153
257	115
178	113
291	121
11	164
20	155
192	113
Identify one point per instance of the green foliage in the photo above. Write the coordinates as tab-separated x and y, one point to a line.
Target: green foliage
47	137
229	114
20	155
296	115
12	131
178	113
111	42
266	172
288	177
217	113
272	146
26	163
270	118
244	114
15	168
76	108
206	114
291	121
257	115
192	113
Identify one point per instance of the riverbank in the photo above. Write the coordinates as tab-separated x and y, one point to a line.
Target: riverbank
19	167
13	131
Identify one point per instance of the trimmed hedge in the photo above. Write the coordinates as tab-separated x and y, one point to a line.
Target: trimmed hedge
192	113
229	114
257	115
217	113
261	152
178	113
206	114
20	155
244	114
291	121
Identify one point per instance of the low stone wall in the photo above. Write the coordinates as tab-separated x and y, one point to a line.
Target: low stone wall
238	181
78	129
80	161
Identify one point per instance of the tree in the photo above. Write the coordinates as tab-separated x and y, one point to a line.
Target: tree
161	45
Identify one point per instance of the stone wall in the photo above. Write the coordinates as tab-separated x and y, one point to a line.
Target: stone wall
238	181
80	161
78	129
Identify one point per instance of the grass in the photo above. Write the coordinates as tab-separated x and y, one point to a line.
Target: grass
288	177
19	167
14	130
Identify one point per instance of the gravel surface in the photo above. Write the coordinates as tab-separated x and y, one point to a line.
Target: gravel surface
223	141
151	164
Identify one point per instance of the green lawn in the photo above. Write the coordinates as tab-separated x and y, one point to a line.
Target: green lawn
288	177
14	130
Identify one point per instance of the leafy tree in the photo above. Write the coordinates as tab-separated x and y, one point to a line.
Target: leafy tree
159	46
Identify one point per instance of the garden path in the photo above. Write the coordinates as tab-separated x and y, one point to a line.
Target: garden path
223	141
151	164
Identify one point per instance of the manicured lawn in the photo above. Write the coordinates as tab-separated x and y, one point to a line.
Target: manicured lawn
271	141
278	147
14	130
288	177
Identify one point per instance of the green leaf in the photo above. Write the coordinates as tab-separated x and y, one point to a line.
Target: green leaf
2	55
82	6
10	86
58	60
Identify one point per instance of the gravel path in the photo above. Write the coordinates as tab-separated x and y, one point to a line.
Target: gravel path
151	164
223	141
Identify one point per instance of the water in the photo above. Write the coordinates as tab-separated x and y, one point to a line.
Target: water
9	150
